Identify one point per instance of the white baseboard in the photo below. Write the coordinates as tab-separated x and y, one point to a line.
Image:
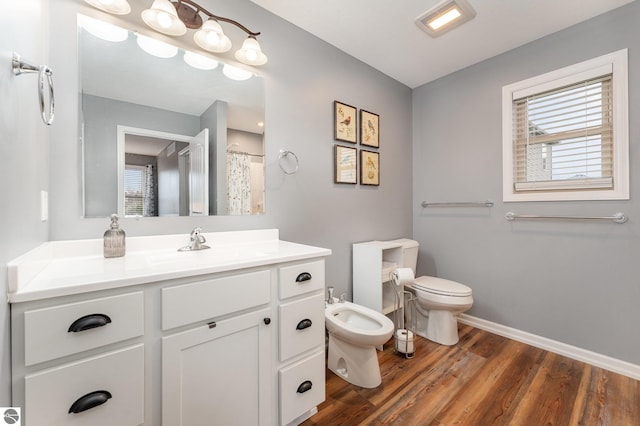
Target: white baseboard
617	366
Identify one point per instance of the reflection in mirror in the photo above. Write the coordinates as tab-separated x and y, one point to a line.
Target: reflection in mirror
195	128
162	174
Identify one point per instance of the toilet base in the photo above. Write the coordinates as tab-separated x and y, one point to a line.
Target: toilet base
439	326
355	364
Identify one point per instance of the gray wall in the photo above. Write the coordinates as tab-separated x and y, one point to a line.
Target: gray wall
24	152
570	281
302	79
101	118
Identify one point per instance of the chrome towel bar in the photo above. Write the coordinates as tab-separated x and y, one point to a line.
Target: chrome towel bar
616	217
485	203
19	67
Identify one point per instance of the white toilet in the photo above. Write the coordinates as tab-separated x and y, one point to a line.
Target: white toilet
439	300
354	333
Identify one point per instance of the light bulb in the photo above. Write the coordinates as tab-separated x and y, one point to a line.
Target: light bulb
213	38
251	55
164	20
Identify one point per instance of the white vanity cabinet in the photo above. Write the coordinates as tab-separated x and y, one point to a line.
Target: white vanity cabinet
174	344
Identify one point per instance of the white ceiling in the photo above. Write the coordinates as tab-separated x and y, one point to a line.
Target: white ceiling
382	33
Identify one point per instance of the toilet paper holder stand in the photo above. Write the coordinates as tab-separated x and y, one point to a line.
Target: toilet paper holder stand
404	334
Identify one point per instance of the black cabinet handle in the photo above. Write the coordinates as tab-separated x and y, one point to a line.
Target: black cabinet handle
305	276
305	386
267	320
305	323
88	322
90	400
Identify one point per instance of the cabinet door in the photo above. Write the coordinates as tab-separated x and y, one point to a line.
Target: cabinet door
219	374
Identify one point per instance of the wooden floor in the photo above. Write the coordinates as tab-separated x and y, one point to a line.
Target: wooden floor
483	380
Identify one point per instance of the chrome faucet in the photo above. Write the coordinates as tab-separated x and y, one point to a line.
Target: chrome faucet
196	241
330	296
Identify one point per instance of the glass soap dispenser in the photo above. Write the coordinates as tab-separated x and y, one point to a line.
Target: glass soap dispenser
114	239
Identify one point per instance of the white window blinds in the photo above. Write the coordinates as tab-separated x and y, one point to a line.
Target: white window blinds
563	138
134	178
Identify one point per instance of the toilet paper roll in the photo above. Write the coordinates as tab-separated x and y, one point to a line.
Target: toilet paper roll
403	276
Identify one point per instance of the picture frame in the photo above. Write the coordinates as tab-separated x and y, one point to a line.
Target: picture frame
344	122
345	164
369	129
369	167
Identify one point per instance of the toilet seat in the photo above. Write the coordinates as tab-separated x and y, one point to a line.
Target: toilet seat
441	287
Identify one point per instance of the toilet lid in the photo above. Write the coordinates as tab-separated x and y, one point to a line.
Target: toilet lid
441	286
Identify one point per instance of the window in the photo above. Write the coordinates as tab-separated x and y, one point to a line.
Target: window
135	190
565	133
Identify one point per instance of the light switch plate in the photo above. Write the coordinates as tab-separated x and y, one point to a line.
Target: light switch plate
44	206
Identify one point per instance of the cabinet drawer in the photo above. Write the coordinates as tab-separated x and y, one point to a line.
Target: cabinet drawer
300	279
50	394
48	332
203	300
301	387
301	325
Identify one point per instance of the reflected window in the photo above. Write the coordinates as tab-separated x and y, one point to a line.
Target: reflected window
138	191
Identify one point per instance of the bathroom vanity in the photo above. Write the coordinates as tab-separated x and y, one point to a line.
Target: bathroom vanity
232	335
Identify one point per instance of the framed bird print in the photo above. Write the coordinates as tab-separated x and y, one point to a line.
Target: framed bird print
369	167
346	160
344	118
369	129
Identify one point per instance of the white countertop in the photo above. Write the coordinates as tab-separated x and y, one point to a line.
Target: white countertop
60	268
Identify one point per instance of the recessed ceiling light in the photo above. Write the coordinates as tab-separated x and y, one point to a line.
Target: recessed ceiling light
445	16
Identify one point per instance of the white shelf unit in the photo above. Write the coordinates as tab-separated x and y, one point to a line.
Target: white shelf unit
373	262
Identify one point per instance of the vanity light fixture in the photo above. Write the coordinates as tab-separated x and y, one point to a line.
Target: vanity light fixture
445	16
116	7
163	17
174	17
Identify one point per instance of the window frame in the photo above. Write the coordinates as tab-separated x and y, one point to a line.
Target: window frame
616	62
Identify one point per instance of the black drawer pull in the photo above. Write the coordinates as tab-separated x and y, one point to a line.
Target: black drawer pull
305	386
305	276
88	322
90	400
267	320
305	323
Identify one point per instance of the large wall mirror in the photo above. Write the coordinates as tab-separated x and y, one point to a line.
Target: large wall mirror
162	137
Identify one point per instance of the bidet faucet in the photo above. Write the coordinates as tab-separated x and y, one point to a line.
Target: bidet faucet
196	241
330	296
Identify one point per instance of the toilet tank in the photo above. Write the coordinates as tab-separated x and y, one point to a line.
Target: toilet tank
409	252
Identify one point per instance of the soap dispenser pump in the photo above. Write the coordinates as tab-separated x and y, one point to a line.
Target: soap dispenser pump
114	245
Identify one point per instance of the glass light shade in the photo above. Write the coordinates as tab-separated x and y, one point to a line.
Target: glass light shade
200	62
250	53
163	17
156	47
211	37
116	7
235	73
103	30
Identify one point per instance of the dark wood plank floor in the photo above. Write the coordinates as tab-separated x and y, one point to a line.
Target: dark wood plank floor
483	380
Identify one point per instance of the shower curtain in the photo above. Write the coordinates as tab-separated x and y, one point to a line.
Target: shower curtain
148	205
238	184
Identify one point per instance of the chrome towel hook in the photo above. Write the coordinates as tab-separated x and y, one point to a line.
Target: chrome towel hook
21	67
282	156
